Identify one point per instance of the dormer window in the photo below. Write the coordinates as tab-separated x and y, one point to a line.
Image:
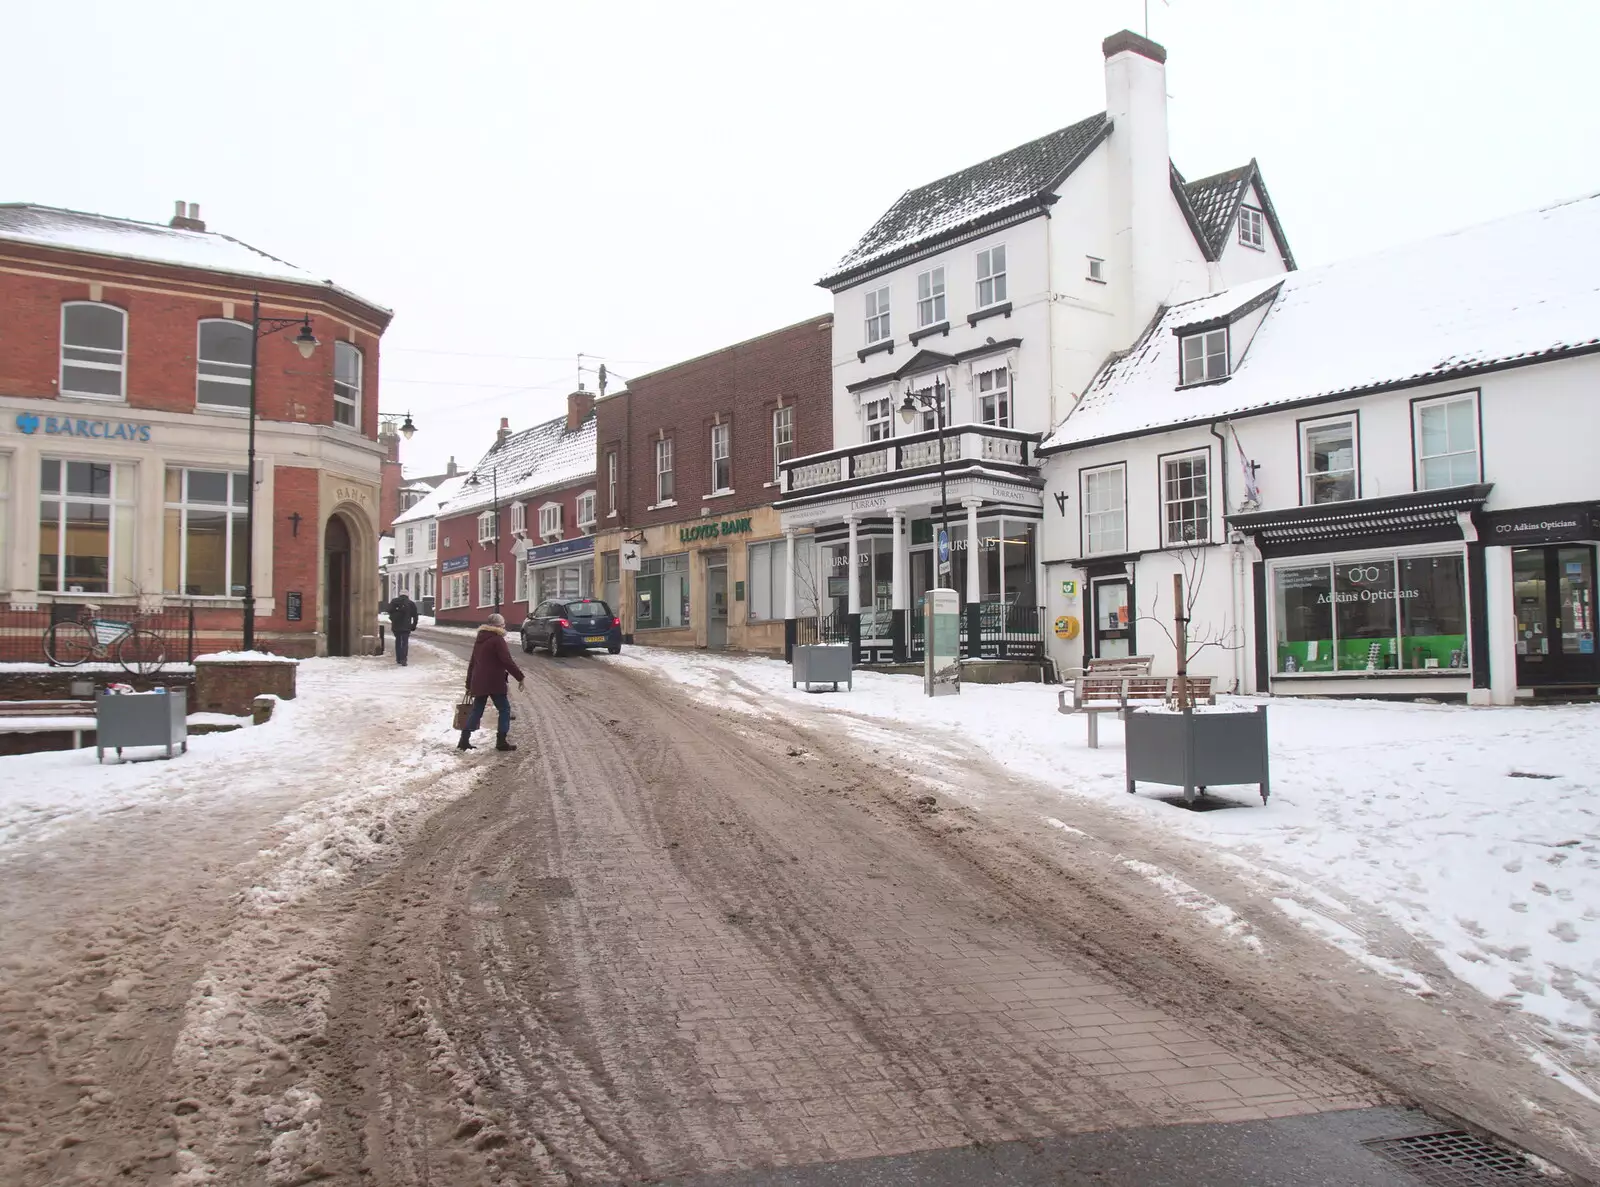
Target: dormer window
1205	356
519	519
1250	228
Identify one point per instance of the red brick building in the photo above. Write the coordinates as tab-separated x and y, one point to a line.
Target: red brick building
521	527
687	470
125	375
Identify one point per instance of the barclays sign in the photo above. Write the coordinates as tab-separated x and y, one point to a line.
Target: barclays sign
67	426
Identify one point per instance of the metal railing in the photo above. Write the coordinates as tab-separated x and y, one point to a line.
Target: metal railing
22	631
822	628
971	443
1005	631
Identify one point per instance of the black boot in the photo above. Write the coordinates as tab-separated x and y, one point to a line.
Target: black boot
466	741
500	743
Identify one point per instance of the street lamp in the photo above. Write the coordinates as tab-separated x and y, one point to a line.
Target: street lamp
933	400
306	342
494	504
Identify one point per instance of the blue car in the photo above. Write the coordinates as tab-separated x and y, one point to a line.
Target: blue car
563	627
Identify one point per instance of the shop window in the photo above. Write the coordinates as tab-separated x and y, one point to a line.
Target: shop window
427	583
1185	499
782	440
222	364
491	585
1105	510
94	345
347	365
85	527
878	314
664	470
1368	614
992	276
661	592
930	297
721	459
994	397
457	592
1205	356
1328	451
1446	432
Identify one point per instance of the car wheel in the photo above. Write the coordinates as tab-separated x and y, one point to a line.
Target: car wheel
614	648
555	644
527	643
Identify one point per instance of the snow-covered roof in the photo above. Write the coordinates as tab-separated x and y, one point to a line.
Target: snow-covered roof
540	458
429	507
74	230
973	196
1518	288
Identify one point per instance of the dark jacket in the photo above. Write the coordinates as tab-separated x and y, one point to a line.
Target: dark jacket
491	663
402	615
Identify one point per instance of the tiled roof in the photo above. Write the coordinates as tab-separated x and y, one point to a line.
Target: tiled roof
963	201
1514	290
540	458
74	230
1215	200
429	507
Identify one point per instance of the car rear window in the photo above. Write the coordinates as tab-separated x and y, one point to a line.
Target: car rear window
588	609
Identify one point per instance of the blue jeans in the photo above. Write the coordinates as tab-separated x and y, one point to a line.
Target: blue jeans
502	706
402	646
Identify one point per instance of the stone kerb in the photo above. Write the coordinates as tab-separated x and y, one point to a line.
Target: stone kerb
229	682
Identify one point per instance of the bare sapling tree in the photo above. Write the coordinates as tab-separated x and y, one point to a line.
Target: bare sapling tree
1190	639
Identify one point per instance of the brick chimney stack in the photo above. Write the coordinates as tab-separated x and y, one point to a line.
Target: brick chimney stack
505	432
580	406
450	471
186	217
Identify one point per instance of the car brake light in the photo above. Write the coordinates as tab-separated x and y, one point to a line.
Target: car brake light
564	623
616	622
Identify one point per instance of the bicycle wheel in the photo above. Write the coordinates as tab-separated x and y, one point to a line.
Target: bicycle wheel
68	644
142	652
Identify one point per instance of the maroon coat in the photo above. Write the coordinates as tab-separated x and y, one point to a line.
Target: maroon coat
491	663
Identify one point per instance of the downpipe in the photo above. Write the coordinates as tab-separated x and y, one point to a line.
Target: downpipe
1235	556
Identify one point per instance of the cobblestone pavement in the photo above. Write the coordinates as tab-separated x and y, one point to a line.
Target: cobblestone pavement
658	942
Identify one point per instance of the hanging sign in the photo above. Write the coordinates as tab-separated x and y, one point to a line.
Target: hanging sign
631	558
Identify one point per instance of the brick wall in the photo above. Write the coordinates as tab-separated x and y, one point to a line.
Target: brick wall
231	687
296	559
741	385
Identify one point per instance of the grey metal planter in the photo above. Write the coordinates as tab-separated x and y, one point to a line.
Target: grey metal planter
822	663
1195	751
141	719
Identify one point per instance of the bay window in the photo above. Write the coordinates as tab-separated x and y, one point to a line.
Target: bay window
204	546
994	397
86	526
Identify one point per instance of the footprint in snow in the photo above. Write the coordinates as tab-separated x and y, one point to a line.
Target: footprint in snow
1565	932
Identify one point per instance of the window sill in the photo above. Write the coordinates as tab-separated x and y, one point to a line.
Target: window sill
884	347
1094	280
716	494
663	503
611	514
1261	247
224	409
92	398
1183	387
767	485
1001	310
938	327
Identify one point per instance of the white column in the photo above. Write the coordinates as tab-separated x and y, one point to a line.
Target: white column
854	603
1501	610
788	577
972	549
897	569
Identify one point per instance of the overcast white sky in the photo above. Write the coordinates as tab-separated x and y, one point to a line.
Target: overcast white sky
644	182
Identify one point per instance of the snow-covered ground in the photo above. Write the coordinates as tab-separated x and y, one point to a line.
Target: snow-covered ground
1476	830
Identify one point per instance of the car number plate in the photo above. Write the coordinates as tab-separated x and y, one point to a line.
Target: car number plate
594	638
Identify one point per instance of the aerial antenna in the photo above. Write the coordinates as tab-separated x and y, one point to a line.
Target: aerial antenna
580	370
1147	16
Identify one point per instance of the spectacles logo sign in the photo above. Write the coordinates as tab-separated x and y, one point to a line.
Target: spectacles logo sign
1362	574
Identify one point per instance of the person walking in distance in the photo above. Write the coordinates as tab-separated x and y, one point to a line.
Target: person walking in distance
487	671
402	621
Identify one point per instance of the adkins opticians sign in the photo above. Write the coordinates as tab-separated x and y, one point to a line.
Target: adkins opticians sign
1541	525
68	426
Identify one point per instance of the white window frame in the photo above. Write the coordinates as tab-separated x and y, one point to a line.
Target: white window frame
491	585
231	374
1420	459
1306	473
878	427
427	583
100	357
782	439
722	458
411	541
1203	356
1252	228
1200	502
991	286
665	486
488	529
347	395
457	592
1096	522
611	482
877	313
433	535
234	510
519	519
585	507
6	467
119	504
1096	269
930	418
550	521
931	298
998	392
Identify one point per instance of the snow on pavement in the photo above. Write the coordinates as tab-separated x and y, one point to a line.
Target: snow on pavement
1475	830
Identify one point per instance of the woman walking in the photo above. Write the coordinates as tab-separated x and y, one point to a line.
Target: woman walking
487	672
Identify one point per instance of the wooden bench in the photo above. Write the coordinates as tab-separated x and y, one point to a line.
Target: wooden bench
48	717
1118	685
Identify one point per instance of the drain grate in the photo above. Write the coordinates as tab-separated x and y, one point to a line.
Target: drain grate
1457	1159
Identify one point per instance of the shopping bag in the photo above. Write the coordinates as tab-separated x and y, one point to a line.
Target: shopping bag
463	710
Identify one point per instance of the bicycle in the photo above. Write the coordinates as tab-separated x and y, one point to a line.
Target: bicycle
73	641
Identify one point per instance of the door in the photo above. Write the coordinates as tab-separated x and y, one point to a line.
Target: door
1554	591
336	565
1113	618
717	606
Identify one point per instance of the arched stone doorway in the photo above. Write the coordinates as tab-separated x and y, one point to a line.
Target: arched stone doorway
337	576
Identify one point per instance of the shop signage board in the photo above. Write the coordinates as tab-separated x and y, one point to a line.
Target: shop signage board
631	558
544	553
941	664
455	564
714	529
1541	525
68	426
293	603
